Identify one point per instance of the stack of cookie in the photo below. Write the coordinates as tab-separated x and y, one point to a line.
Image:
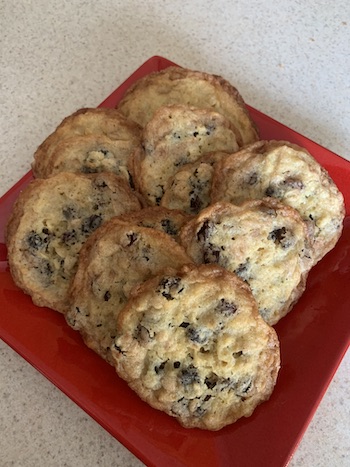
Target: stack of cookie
173	239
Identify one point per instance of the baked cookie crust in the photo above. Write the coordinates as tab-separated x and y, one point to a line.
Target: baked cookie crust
175	136
264	242
289	173
119	256
176	85
116	137
51	220
192	344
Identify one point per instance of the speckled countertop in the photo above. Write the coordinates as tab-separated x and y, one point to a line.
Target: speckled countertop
288	58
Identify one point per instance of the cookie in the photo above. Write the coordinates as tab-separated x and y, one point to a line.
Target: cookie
51	220
264	242
116	137
91	154
117	257
160	218
192	344
176	85
190	188
175	136
289	173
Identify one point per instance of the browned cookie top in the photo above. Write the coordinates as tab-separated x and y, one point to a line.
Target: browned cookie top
285	171
116	137
192	344
177	135
176	85
263	241
120	255
51	220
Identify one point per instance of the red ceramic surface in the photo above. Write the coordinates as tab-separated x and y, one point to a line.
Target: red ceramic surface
314	338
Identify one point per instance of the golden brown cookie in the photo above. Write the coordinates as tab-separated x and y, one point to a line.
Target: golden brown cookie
175	136
263	241
117	257
91	154
176	85
51	220
192	344
116	137
289	173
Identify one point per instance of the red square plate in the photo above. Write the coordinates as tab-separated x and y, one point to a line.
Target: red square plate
314	338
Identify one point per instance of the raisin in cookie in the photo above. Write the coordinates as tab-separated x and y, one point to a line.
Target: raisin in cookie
176	85
193	345
117	257
190	188
160	218
120	137
263	241
289	173
51	220
177	135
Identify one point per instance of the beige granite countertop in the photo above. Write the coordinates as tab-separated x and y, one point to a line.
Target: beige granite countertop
288	58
